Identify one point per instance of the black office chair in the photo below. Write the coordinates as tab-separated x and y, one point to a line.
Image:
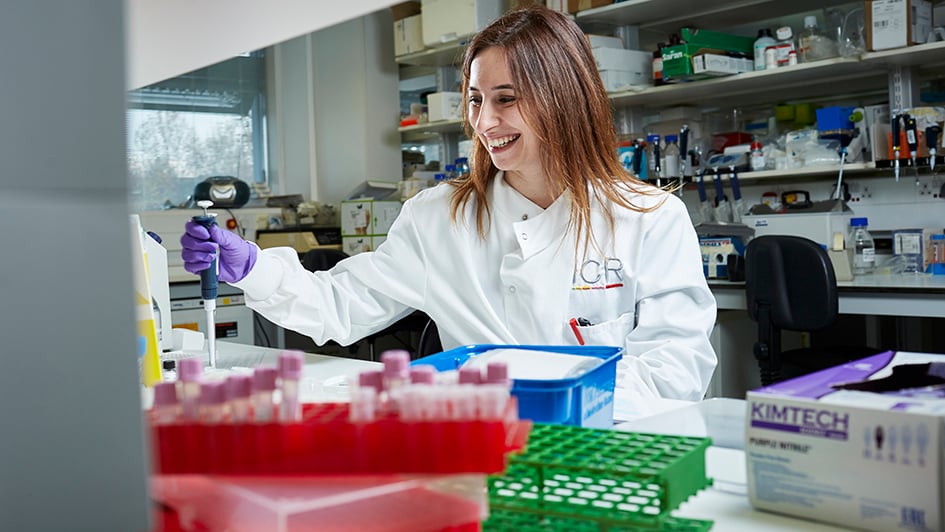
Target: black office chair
429	343
790	285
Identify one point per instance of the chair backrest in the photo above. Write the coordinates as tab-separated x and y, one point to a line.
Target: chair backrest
793	276
318	259
429	340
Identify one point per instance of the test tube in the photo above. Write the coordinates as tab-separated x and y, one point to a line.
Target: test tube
363	404
396	374
238	391
372	379
422	374
290	372
497	372
189	373
491	401
212	401
264	383
470	375
165	408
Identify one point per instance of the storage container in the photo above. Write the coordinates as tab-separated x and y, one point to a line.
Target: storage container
585	400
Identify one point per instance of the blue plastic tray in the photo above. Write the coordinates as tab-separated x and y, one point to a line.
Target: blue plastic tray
584	401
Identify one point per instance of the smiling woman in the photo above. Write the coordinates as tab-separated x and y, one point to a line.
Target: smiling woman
547	230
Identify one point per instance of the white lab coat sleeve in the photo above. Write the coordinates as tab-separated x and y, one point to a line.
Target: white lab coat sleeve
669	353
361	295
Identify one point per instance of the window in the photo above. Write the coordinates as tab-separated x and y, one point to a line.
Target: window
209	122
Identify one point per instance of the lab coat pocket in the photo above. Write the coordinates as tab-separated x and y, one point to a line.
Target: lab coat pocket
610	333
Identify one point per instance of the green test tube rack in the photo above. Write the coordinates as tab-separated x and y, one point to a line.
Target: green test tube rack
573	478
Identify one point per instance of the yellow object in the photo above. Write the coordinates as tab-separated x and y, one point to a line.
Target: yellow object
144	308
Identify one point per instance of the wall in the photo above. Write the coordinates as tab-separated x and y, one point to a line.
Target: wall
167	38
333	106
72	454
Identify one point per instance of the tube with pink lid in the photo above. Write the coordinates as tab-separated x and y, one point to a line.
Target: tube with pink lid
238	391
290	373
396	374
165	408
264	384
189	372
212	401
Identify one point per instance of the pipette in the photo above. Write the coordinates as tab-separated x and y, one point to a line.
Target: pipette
738	205
895	145
684	169
931	142
208	284
721	200
704	208
912	140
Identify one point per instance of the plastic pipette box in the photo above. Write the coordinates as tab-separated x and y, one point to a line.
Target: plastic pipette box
390	503
326	442
576	479
586	400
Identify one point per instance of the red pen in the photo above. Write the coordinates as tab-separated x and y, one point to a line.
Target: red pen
577	332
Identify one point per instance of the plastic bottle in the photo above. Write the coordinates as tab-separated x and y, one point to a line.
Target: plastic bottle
784	45
813	44
757	156
671	157
450	171
764	40
462	167
864	248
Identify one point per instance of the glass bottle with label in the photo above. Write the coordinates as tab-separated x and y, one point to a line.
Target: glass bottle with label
764	40
864	248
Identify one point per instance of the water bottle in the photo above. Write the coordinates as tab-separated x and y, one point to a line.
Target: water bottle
864	248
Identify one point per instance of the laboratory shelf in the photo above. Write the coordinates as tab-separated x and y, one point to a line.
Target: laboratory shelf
325	442
791	82
919	55
849	169
660	17
447	54
611	479
430	130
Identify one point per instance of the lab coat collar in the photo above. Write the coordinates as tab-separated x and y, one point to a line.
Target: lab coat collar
540	228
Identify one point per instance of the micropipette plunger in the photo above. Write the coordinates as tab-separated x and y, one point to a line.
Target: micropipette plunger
931	141
208	284
912	140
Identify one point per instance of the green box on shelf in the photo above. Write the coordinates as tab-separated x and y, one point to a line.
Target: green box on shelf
605	479
677	59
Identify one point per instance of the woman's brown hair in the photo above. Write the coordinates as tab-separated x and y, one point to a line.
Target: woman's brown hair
563	100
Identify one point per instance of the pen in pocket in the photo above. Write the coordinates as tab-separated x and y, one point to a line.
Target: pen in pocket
575	322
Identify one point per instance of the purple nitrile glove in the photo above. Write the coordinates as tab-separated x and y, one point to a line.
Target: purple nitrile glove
237	256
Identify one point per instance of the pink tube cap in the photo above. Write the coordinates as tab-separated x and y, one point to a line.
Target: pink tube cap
396	363
497	373
372	379
213	393
470	375
290	365
239	386
189	369
264	379
165	394
422	374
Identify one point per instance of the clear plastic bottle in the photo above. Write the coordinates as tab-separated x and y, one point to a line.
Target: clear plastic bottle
813	44
757	156
764	40
864	248
671	157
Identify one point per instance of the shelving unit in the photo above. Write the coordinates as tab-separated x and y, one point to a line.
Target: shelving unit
868	76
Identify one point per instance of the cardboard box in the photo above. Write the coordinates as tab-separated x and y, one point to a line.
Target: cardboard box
408	35
366	217
604	41
897	23
677	59
581	5
444	106
621	59
863	459
617	80
404	10
448	20
721	65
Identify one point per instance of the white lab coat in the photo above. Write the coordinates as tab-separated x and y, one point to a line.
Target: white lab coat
645	292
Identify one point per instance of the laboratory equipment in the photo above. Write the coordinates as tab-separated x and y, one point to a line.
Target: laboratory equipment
912	142
738	205
931	142
653	164
704	208
722	208
264	384
936	254
864	248
764	40
212	401
290	373
189	371
165	408
238	392
208	284
896	143
671	157
813	44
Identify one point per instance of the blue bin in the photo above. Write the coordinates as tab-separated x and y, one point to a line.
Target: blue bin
585	401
